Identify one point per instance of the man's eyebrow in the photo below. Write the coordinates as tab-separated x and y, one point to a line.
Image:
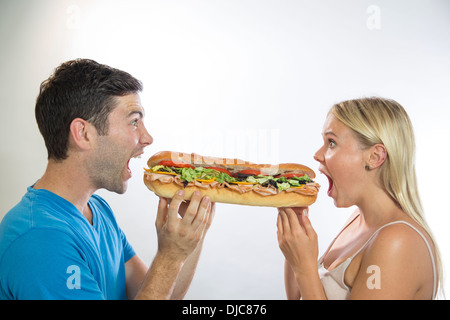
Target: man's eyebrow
141	113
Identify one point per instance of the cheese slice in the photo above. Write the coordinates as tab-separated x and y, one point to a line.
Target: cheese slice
207	181
163	172
242	182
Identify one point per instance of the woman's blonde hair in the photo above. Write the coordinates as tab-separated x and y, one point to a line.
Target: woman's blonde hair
382	121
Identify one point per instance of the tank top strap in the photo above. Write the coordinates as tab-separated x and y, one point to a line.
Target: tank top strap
424	239
337	236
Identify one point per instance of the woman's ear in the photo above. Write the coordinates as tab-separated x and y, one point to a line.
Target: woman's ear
377	156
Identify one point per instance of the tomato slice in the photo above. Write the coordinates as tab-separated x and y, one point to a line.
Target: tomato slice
291	175
169	163
251	172
220	170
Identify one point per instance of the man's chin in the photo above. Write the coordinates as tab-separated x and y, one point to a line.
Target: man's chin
119	188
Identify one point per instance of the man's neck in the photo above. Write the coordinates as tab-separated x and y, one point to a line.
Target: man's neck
66	180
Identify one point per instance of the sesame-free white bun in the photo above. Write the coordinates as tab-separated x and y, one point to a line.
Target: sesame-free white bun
301	198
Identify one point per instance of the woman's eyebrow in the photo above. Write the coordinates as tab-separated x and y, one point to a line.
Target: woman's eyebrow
329	132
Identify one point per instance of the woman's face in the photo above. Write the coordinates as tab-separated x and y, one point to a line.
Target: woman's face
342	160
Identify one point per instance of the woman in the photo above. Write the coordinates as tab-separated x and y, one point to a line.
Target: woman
385	250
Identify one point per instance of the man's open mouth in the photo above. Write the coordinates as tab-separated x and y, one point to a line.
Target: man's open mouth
128	167
128	162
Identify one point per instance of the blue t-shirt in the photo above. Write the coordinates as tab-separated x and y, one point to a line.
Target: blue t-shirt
49	250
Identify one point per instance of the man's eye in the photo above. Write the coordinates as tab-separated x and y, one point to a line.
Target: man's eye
134	123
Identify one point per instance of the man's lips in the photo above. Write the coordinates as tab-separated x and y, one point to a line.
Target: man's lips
138	155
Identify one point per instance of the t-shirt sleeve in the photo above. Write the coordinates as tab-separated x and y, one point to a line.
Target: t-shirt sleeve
46	264
128	251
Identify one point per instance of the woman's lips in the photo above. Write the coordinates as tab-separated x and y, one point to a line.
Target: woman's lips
330	182
330	185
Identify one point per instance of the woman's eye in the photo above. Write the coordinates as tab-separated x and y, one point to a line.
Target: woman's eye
331	143
134	123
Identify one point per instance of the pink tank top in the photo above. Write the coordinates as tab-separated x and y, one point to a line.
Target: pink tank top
333	281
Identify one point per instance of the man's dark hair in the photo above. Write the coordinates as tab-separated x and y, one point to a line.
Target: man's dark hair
83	89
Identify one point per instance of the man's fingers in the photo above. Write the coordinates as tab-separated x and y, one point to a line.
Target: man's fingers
161	215
191	210
174	207
202	213
210	216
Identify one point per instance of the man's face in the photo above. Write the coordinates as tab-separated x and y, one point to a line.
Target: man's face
126	139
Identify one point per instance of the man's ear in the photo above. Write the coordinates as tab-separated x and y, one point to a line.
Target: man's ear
80	133
377	156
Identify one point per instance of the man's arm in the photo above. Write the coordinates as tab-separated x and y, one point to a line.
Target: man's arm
187	272
179	247
135	272
30	273
159	282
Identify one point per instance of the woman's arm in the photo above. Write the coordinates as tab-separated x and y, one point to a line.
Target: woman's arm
290	283
395	265
298	242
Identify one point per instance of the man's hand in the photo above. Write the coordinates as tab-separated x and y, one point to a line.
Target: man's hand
178	237
179	246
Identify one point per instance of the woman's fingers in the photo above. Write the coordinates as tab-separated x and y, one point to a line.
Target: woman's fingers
310	232
295	221
284	220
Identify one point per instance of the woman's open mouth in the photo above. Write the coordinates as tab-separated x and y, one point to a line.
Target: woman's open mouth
330	185
330	182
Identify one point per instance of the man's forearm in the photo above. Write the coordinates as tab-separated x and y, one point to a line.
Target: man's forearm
160	280
186	274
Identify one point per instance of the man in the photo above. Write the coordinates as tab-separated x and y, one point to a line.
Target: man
61	241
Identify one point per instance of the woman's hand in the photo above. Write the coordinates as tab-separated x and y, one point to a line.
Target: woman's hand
298	240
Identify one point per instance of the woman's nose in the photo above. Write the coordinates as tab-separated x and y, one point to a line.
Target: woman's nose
318	156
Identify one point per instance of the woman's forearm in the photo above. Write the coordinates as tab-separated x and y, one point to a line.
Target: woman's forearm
310	286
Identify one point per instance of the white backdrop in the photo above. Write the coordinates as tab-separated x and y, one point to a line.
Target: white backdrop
251	79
